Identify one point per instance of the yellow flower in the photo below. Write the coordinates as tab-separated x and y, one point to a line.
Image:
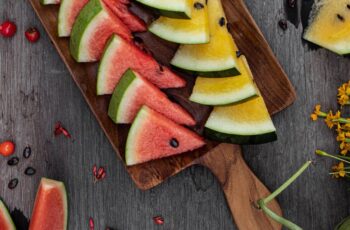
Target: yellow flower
343	94
313	117
341	137
329	120
339	170
317	113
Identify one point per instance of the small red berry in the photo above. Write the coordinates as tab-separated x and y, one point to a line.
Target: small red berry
7	148
8	29
32	34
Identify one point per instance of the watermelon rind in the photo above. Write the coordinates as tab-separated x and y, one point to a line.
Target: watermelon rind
232	89
244	123
181	9
184	31
50	2
7	217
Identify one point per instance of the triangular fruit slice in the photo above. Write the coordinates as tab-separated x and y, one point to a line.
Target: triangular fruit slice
245	123
184	31
120	9
50	208
227	90
121	55
6	222
215	59
153	136
92	29
330	25
133	91
69	10
171	8
50	2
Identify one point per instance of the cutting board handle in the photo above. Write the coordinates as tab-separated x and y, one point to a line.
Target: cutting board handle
241	187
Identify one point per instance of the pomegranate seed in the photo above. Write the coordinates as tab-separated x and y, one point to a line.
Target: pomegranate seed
94	170
100	171
158	220
7	148
32	34
8	29
91	223
59	129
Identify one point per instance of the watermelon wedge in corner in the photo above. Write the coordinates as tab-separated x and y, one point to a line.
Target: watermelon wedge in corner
153	136
121	55
50	208
6	222
92	29
69	10
133	91
120	8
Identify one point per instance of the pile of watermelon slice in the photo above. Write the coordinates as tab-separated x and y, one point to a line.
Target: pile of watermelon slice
102	30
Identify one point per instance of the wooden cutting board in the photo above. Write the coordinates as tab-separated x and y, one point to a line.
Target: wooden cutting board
240	185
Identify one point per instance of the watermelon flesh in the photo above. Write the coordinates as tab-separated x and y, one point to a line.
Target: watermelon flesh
50	208
120	9
69	10
133	91
153	136
92	29
6	222
121	55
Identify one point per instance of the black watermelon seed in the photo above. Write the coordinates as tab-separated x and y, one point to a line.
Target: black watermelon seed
283	24
30	171
174	143
138	39
13	183
222	21
161	68
348	6
341	18
238	53
13	161
27	152
292	3
198	5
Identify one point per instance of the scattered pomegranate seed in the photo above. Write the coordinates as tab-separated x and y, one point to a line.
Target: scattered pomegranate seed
32	34
7	148
91	223
8	29
158	220
99	174
59	129
94	170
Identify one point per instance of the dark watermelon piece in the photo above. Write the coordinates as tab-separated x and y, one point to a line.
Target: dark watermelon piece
153	136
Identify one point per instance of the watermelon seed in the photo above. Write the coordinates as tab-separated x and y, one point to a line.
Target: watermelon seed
238	53
161	69
13	161
348	6
13	183
158	220
341	18
27	152
283	24
174	143
30	171
222	21
198	5
292	3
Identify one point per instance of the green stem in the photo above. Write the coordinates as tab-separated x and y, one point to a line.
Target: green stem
322	153
288	224
343	157
342	120
287	183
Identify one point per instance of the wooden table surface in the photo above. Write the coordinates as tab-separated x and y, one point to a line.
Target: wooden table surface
36	90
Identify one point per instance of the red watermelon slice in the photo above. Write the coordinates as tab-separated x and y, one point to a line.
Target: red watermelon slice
69	10
153	136
133	91
121	55
6	222
120	8
92	29
50	207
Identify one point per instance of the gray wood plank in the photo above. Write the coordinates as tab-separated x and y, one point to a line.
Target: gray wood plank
36	91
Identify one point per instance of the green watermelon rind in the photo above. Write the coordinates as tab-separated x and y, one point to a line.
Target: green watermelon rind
240	139
49	2
87	15
211	74
224	100
5	211
167	12
119	95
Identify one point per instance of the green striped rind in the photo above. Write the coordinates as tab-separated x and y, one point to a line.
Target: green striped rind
212	74
119	94
86	16
170	13
49	2
5	212
223	100
240	139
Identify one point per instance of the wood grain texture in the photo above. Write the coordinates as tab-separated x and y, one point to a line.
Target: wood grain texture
36	90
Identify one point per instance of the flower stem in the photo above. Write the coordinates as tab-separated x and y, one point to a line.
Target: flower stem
340	158
287	183
342	120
